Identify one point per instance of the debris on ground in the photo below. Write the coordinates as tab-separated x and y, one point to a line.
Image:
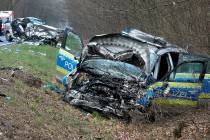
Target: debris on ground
50	87
5	96
29	79
3	80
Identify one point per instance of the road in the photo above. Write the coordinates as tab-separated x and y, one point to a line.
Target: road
3	41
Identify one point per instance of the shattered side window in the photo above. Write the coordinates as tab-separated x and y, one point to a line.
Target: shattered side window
187	72
115	69
73	43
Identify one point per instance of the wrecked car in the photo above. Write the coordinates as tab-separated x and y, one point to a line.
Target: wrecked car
32	29
44	34
14	29
115	69
186	86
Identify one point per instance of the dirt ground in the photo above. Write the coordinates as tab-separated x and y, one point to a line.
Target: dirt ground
29	112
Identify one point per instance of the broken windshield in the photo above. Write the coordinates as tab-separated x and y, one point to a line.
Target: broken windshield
114	69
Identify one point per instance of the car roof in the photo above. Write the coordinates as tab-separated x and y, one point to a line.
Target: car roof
160	45
147	38
140	36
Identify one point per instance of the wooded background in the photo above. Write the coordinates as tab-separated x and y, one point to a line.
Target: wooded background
183	22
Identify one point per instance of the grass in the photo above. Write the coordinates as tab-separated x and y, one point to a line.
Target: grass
33	114
42	111
38	60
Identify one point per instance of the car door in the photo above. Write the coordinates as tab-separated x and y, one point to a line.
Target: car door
206	85
182	86
68	56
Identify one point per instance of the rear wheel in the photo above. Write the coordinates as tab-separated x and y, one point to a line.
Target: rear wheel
154	113
204	103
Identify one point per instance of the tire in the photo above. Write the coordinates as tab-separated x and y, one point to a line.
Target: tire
8	37
204	103
154	113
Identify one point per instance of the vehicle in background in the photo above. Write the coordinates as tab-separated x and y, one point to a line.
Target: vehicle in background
6	17
32	30
15	29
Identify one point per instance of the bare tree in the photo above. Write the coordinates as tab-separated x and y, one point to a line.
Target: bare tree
183	22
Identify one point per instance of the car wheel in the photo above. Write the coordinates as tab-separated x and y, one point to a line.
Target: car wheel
8	37
204	103
155	112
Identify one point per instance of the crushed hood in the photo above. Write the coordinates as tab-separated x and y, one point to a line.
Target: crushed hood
114	69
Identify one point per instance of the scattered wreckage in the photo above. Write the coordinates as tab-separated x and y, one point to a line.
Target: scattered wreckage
115	70
31	30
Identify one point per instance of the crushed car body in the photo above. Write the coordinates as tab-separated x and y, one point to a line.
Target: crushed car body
115	70
31	29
